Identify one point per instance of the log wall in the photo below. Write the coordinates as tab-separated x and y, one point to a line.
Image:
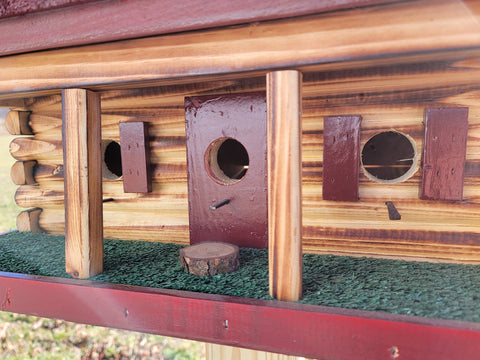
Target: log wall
392	96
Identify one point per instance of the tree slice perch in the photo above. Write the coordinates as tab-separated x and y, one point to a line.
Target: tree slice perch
210	258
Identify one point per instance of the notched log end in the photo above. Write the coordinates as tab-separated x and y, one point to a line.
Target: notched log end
28	220
17	123
22	172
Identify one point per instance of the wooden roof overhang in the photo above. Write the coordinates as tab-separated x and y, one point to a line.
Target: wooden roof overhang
399	32
27	26
267	37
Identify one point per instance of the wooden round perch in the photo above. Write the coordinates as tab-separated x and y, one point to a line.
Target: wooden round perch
210	258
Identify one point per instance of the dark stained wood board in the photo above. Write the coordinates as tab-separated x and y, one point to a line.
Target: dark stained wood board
444	153
281	327
341	157
393	213
85	23
135	157
209	121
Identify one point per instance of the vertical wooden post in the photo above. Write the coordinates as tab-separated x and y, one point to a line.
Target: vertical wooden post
284	133
221	352
83	183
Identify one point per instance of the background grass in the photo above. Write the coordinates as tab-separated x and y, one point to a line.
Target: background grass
30	337
8	208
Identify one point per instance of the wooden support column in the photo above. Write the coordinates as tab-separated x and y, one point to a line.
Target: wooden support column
284	184
83	183
220	352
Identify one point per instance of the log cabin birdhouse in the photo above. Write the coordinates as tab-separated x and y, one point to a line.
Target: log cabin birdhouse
344	128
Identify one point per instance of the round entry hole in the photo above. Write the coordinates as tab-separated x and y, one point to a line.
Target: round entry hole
112	160
389	157
226	160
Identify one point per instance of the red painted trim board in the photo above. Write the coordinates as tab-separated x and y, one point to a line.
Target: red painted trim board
290	328
341	157
110	20
135	157
444	153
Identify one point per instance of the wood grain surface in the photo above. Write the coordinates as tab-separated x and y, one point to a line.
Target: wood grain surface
284	152
83	183
391	96
341	157
29	148
210	258
369	33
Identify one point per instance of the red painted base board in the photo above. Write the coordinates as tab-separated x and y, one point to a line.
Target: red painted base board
275	326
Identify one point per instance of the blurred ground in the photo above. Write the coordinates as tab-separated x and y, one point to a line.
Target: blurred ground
28	337
3	113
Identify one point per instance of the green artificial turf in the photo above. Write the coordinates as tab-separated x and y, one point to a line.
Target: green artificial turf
436	290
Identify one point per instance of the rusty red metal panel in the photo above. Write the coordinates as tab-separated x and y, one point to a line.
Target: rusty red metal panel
135	157
341	157
86	24
289	328
227	160
444	153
